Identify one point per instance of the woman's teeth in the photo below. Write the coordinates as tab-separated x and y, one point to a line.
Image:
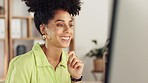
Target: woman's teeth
65	38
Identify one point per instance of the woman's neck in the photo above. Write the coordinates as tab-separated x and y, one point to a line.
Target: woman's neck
53	54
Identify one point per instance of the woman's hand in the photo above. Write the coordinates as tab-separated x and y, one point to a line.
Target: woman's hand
75	66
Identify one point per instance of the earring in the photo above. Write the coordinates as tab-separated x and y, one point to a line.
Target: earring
44	37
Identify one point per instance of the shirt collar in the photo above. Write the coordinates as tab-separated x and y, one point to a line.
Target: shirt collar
64	60
41	59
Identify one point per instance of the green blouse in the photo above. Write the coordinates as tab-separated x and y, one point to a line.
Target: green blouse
33	67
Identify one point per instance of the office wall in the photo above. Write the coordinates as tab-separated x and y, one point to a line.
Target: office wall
92	23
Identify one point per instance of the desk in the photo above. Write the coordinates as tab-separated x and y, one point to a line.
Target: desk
91	82
82	82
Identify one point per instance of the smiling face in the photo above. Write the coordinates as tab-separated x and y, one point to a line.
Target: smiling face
59	30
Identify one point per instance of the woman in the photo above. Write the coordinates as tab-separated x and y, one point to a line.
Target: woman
47	63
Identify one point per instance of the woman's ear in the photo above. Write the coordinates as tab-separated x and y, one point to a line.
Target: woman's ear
42	29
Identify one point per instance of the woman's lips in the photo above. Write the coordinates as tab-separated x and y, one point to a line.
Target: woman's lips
65	37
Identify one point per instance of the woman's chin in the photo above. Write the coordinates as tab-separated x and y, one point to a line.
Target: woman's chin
65	45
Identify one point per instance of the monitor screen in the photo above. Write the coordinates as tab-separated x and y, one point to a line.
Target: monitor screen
128	53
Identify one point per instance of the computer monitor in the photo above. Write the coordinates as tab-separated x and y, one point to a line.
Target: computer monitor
128	53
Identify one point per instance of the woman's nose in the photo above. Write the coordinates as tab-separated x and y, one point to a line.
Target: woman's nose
67	29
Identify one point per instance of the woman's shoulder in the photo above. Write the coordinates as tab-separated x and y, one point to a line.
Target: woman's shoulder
21	67
24	60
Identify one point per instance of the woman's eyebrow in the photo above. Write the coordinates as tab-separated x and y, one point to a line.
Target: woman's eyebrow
59	20
63	20
71	20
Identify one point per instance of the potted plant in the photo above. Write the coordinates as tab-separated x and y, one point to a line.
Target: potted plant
98	54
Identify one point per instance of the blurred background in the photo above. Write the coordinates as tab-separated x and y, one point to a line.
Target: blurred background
18	34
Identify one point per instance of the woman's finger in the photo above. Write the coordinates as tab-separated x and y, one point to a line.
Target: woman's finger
74	61
71	56
78	64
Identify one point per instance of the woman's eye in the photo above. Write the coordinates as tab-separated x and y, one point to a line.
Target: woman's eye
60	25
71	25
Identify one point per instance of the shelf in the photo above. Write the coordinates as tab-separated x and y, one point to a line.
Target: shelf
37	38
22	17
2	16
2	39
32	38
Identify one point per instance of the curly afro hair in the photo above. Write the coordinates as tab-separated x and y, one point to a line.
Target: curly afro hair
44	10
